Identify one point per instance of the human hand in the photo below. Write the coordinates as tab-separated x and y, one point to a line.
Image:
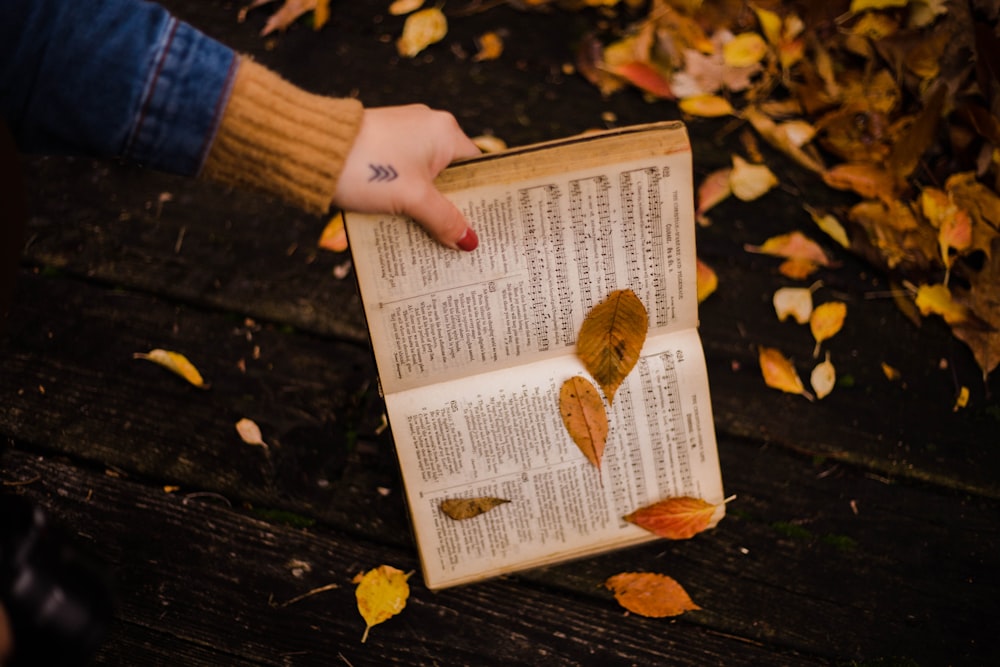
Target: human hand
391	169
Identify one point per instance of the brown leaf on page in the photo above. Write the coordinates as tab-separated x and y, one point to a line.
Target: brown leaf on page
583	414
611	338
675	518
460	509
650	594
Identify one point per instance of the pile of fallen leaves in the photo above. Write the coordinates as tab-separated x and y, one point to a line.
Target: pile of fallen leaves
896	101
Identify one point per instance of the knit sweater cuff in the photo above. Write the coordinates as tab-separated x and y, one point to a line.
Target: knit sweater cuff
280	139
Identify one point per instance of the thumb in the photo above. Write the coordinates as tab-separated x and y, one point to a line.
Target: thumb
443	221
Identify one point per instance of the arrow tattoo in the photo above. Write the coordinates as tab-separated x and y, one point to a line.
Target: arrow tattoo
382	173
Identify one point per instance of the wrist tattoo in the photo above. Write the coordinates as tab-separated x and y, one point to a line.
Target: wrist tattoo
381	173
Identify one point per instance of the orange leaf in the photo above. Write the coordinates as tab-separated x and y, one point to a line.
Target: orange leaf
714	189
826	320
706	279
611	339
583	414
867	180
645	78
779	373
675	518
937	299
420	30
797	269
334	236
650	594
706	106
794	245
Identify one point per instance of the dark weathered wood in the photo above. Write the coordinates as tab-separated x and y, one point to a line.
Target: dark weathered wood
202	584
864	527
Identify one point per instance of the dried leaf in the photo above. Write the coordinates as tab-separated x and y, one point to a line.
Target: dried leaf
823	378
467	508
962	400
289	12
795	302
706	106
420	30
675	518
334	236
826	320
743	50
611	339
400	7
714	189
891	374
750	181
794	245
583	414
381	594
797	269
868	180
650	594
175	362
831	225
706	279
865	5
488	143
490	47
779	373
645	77
937	299
250	433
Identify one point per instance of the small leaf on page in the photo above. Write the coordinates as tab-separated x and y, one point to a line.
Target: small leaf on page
175	362
381	594
674	518
780	373
650	594
611	338
467	508
583	413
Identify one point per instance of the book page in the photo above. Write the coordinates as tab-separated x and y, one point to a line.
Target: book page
559	230
500	434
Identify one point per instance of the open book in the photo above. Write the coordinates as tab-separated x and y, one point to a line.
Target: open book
472	349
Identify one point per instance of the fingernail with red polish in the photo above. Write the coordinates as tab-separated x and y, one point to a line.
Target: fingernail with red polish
469	240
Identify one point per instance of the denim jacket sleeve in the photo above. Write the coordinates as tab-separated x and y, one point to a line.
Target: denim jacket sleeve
111	78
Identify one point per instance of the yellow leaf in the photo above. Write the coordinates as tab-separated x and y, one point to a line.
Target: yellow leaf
890	373
937	299
583	414
611	338
334	236
770	24
490	47
826	320
745	49
750	181
797	269
779	373
650	594
706	106
706	279
864	5
675	518
795	302
831	225
250	432
400	7
381	594
175	362
467	508
421	29
823	378
962	399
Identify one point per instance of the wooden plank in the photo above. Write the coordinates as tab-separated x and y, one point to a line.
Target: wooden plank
201	584
792	560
